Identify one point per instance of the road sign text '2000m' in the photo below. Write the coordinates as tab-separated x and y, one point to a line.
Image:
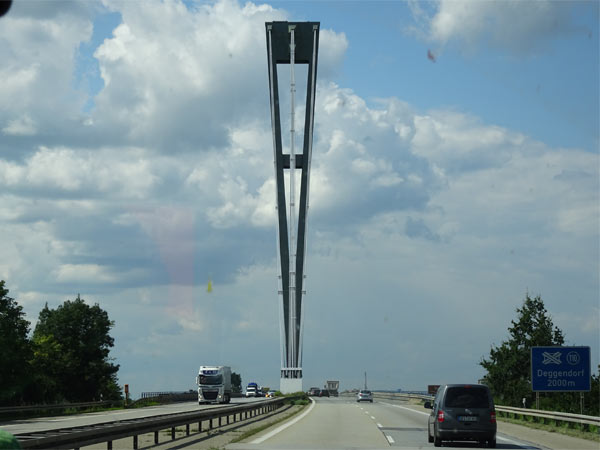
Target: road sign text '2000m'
560	368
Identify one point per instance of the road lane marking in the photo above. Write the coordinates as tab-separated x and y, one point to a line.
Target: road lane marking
284	426
510	441
390	439
379	425
408	409
372	417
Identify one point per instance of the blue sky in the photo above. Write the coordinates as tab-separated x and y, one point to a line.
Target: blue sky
135	163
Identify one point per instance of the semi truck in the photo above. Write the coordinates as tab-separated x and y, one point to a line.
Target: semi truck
333	386
252	390
214	384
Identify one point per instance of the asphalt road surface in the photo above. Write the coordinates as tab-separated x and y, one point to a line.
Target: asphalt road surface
52	423
335	423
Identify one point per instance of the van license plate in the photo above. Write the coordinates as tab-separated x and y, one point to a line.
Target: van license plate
467	418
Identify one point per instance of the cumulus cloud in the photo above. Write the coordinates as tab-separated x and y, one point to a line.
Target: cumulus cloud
169	180
518	26
38	51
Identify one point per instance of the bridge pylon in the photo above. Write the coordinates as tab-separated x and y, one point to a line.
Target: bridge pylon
292	43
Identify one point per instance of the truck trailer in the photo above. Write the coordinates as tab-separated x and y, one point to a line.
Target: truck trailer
332	387
214	384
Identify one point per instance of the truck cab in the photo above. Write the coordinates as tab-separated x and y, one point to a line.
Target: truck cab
252	390
214	384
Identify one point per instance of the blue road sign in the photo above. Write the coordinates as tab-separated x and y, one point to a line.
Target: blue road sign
560	369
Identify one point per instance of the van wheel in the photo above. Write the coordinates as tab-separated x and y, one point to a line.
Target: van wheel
437	442
429	436
227	398
492	443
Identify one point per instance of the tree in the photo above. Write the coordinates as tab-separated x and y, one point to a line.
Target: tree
236	382
508	367
72	345
16	349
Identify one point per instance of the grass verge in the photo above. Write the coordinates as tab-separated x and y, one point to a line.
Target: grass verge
562	428
257	430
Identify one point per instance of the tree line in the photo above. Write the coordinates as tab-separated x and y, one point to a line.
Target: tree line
65	359
509	369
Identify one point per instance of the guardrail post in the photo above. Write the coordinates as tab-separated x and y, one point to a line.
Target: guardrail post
227	419
187	429
210	426
135	442
109	445
172	433
199	426
156	437
219	421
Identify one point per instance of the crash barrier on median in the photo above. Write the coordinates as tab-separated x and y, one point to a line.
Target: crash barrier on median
76	437
168	396
508	411
13	411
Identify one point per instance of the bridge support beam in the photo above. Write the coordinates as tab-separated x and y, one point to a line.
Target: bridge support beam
292	43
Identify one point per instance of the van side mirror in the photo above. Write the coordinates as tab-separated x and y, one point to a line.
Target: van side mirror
427	405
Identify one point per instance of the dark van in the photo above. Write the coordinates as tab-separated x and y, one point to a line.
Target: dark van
462	412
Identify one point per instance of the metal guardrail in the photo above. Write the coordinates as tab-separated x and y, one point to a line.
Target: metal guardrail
556	416
76	437
19	409
551	415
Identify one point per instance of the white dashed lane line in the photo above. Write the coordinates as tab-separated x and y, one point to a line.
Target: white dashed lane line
390	439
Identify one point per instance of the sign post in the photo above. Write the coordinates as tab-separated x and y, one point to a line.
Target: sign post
560	369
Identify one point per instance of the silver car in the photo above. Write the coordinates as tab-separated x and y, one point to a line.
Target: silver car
364	396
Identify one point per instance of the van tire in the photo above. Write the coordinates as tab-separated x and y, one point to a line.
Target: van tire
492	443
437	442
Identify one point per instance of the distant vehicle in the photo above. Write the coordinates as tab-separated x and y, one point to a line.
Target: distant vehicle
324	393
270	394
214	384
314	391
332	387
252	390
364	396
462	412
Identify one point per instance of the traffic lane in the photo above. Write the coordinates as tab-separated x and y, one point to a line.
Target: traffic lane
411	429
332	423
53	423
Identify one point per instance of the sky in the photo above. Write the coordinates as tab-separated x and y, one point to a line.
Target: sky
455	170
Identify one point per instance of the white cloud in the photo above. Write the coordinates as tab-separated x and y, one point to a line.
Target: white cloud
519	26
123	172
23	126
83	273
38	56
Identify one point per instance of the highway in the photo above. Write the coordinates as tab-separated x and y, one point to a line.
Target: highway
328	423
52	423
335	423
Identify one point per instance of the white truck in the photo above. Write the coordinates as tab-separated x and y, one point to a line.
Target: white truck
252	390
214	384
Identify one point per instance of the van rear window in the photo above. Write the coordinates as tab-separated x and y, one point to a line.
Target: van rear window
471	397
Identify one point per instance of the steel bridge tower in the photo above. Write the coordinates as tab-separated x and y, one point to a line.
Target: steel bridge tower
292	43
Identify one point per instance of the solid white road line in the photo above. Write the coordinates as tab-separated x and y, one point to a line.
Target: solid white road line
379	425
390	439
408	409
284	426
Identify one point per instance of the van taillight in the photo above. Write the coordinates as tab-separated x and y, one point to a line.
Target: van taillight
493	417
440	417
